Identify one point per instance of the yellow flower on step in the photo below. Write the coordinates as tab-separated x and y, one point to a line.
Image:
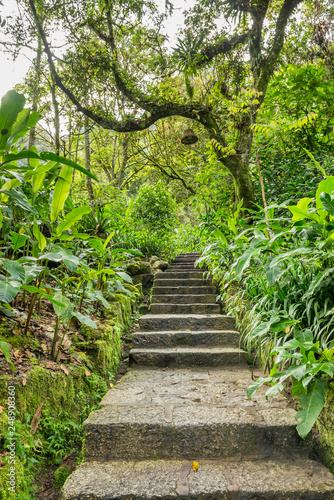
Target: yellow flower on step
195	466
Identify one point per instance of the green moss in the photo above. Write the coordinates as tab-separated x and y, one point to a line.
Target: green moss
57	390
21	488
108	356
61	474
325	430
103	332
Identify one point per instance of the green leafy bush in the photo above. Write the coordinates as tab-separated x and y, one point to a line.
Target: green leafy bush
154	208
281	271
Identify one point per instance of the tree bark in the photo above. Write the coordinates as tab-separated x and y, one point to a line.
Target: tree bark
87	163
32	132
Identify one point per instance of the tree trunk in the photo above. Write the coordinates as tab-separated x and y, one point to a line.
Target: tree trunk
87	163
32	132
56	116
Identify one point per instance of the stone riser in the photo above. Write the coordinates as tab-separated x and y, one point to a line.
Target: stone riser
191	339
161	280
184	357
209	441
185	308
172	480
161	289
182	269
179	275
160	322
184	299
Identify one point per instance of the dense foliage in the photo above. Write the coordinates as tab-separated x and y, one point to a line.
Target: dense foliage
95	177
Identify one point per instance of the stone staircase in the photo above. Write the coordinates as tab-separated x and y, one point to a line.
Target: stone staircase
184	400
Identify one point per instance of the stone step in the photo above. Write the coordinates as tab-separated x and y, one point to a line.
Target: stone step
157	308
175	479
161	289
181	275
182	268
209	338
184	299
161	280
187	357
190	432
187	322
190	262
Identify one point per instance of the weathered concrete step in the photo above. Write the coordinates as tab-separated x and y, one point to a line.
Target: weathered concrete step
161	289
213	338
186	432
161	280
175	479
157	308
179	275
184	299
190	322
187	356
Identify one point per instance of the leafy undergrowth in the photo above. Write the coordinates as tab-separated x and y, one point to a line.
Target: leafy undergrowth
54	398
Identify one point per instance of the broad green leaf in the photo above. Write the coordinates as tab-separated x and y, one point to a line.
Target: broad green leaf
304	336
8	292
65	312
4	347
61	191
86	320
275	389
105	244
325	186
281	324
12	183
7	312
71	218
312	403
327	203
39	236
19	156
12	104
65	161
299	214
18	240
20	200
15	269
124	276
254	387
243	262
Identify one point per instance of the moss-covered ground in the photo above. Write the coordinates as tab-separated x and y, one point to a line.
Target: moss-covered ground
52	400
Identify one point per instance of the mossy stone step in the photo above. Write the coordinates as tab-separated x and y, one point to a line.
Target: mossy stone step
190	322
180	275
187	356
161	289
185	308
184	299
205	338
160	280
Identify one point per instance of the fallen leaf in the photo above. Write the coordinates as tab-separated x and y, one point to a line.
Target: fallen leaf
87	373
24	381
1	409
195	466
35	422
65	370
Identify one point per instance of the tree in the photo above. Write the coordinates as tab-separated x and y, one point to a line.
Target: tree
113	39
